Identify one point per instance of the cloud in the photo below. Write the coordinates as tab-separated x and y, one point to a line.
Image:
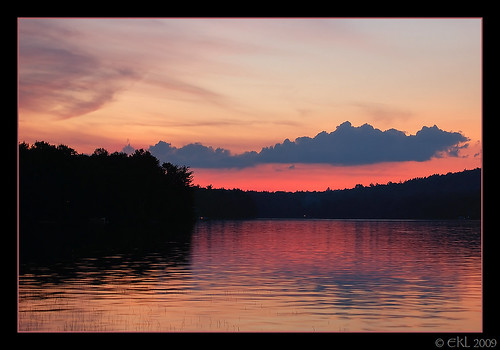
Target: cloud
199	156
381	112
69	68
347	145
57	77
128	149
185	88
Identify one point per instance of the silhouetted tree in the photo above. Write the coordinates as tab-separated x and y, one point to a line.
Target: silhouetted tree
78	195
180	175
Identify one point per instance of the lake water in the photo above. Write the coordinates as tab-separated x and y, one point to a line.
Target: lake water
271	275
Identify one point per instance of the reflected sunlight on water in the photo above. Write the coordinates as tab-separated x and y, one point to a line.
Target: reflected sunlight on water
272	275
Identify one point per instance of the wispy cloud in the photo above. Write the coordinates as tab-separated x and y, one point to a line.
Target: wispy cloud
347	145
382	112
57	77
184	88
71	68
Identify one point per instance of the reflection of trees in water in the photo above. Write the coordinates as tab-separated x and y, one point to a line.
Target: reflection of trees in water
112	262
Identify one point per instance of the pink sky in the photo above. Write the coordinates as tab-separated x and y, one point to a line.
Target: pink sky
244	84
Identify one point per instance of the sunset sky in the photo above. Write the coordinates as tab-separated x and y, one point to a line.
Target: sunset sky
260	103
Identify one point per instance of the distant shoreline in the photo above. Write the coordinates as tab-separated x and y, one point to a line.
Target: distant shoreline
453	196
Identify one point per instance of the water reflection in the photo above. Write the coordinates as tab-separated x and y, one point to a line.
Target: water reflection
271	275
356	269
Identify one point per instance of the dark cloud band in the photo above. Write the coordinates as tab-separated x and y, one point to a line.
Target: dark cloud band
347	145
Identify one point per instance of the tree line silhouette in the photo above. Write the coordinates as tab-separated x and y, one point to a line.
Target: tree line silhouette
450	196
69	201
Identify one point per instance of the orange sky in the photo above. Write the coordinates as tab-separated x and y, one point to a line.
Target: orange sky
244	84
